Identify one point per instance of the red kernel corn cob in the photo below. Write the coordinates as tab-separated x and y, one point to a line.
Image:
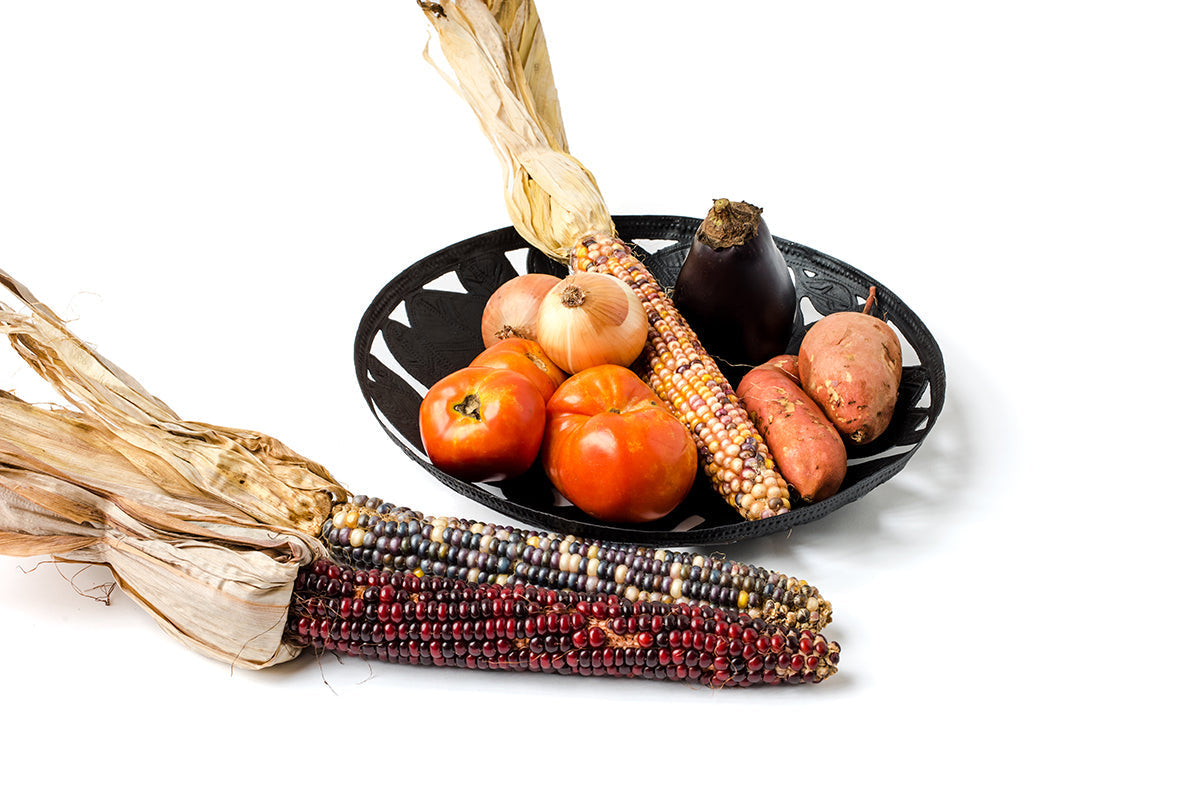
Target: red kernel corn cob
680	371
368	533
425	620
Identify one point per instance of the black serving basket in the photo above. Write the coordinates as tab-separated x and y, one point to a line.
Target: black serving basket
426	323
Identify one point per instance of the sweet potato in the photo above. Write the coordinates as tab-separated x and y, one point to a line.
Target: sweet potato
788	363
808	450
850	364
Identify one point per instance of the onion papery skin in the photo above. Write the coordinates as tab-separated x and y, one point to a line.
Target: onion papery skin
590	319
512	310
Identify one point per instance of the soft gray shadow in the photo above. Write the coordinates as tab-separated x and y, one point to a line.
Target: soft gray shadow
922	508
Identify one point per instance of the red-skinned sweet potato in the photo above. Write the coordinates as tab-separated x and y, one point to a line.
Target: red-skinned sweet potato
850	364
808	450
788	363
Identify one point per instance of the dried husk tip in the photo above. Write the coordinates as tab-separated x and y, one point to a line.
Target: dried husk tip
498	63
205	527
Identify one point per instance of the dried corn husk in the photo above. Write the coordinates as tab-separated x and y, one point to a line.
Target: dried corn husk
499	65
522	28
204	526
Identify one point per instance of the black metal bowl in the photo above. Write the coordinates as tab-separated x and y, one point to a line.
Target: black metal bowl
425	324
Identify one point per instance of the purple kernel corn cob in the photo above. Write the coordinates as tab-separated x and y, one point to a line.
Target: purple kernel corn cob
427	620
368	533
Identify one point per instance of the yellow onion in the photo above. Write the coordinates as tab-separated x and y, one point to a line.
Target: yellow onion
589	319
512	310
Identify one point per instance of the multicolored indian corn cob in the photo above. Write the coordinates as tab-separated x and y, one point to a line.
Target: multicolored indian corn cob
681	372
429	620
368	533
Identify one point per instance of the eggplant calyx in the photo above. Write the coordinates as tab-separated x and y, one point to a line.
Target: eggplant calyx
729	224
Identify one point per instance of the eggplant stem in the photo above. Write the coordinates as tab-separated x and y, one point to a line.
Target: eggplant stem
730	224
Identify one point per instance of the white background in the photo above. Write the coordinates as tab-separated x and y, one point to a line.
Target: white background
213	193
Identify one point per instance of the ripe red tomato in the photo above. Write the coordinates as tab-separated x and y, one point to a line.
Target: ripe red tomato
614	450
483	424
527	358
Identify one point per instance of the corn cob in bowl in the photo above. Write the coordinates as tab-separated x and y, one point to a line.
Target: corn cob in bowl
557	207
226	537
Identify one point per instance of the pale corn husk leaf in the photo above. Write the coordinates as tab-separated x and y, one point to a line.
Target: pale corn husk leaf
553	201
223	591
246	470
522	28
34	437
206	527
237	601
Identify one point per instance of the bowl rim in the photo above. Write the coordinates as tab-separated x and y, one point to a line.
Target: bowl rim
647	227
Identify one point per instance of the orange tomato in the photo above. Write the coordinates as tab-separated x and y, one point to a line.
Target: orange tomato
614	450
527	358
483	424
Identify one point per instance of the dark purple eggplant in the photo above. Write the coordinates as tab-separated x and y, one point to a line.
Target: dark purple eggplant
734	288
